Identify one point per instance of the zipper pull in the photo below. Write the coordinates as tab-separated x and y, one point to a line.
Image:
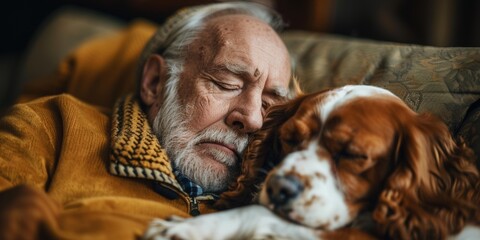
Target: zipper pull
194	207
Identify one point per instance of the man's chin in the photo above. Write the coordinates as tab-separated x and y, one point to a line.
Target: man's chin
212	175
220	173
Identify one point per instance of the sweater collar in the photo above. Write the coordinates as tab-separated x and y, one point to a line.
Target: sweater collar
135	150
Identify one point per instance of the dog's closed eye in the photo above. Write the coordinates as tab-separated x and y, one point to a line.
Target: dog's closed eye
348	155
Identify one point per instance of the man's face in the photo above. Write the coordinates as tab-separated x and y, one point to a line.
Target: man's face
236	68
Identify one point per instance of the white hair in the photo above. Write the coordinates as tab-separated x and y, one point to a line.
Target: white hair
180	30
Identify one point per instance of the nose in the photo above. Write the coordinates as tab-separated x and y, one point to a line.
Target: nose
282	189
247	115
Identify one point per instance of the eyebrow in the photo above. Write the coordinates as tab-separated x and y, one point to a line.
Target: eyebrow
237	69
242	70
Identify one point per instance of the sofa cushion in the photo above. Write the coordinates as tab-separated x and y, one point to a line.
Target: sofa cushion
470	130
444	81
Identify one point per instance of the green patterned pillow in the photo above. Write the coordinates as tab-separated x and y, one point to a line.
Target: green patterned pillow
444	81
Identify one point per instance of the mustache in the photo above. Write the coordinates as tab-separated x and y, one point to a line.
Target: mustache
224	136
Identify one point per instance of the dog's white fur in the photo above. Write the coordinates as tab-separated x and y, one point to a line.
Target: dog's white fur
323	189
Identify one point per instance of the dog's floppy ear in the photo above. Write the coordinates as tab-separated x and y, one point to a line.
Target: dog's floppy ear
433	188
261	155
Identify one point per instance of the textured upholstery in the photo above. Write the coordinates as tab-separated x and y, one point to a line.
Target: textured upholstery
444	81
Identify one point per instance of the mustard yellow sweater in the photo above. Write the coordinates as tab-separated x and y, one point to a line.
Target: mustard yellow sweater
97	163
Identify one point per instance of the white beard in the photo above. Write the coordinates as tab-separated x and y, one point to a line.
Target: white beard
171	127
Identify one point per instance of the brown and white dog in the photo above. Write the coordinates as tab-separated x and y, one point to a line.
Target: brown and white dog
349	163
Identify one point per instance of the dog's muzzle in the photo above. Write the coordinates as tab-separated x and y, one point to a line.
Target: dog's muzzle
281	190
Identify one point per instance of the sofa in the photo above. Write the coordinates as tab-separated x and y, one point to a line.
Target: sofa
94	58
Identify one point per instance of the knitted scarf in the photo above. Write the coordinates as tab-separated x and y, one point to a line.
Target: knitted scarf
135	150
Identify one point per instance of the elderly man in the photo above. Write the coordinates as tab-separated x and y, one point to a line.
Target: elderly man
70	170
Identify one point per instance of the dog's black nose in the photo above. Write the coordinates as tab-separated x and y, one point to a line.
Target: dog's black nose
281	189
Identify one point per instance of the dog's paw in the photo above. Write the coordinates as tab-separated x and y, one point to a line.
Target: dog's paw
175	228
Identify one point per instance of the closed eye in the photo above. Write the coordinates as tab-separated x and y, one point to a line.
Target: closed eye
292	142
223	83
347	155
225	86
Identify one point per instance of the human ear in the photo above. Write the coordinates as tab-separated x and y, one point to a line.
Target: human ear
153	78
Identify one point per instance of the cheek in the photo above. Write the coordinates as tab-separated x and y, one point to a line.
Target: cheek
204	110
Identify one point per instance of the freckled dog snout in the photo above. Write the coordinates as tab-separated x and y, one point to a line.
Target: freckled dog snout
281	189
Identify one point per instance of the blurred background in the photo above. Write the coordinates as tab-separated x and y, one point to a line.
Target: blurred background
443	23
431	22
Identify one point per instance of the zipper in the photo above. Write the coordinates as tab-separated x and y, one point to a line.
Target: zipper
194	207
192	202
